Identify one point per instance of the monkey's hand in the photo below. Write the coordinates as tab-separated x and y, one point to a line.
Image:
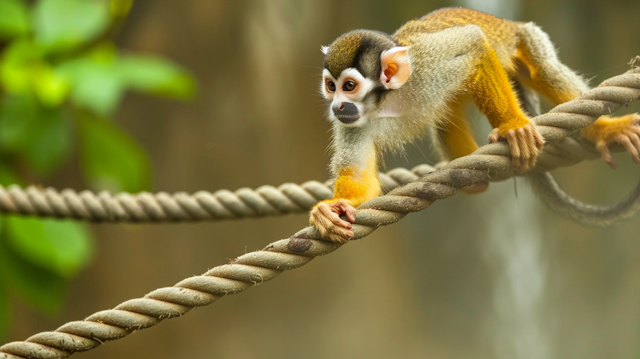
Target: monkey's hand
607	131
326	218
525	144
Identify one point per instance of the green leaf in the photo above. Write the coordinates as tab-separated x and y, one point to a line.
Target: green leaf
95	80
99	79
50	88
157	76
110	158
49	141
41	135
15	115
64	24
23	71
62	247
16	66
14	20
35	286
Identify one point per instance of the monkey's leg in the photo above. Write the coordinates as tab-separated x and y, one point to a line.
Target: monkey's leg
539	67
546	74
607	131
456	135
494	96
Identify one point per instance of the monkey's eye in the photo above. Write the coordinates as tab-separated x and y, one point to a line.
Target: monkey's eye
349	86
331	86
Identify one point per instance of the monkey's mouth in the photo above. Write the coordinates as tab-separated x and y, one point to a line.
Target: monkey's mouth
348	119
346	112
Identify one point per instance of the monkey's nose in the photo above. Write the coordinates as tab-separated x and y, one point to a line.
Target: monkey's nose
346	112
345	109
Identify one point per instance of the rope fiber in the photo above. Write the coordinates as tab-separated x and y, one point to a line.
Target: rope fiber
490	161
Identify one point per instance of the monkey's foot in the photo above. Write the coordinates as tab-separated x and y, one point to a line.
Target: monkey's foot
475	188
525	144
607	131
326	218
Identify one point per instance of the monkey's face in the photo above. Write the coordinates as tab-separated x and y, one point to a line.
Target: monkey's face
360	67
348	95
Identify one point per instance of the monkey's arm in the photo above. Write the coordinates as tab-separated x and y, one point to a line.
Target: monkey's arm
352	187
494	96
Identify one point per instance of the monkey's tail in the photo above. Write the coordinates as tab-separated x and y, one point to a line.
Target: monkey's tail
586	214
560	201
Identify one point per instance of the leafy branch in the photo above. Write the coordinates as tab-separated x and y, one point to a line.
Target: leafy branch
61	80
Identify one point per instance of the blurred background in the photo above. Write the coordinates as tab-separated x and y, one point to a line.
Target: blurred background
211	94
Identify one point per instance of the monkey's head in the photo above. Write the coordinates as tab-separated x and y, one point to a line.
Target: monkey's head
360	67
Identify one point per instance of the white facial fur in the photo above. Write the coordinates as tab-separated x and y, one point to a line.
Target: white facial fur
340	95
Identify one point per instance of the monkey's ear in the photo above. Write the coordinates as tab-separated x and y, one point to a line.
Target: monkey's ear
396	67
324	49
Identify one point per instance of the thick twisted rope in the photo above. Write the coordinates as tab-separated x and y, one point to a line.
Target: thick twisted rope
181	206
294	198
256	267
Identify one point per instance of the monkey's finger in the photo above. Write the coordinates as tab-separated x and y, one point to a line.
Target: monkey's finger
335	219
526	144
332	216
534	149
318	219
513	144
336	238
339	205
324	210
628	145
531	149
635	129
514	149
636	142
350	212
527	164
536	140
494	136
329	230
606	155
347	209
343	234
322	224
537	137
635	139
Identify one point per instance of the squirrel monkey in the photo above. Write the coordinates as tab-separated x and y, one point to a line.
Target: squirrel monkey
387	90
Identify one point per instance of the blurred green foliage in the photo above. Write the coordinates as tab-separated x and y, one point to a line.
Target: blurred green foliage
61	79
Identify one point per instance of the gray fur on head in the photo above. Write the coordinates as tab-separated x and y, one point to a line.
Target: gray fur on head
359	49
